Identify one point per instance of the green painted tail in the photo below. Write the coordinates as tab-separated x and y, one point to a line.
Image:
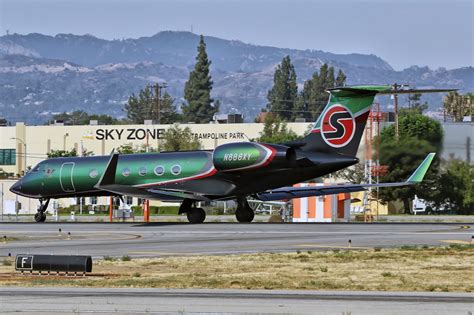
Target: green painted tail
341	124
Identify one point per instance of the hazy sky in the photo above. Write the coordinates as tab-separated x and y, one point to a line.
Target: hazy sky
422	32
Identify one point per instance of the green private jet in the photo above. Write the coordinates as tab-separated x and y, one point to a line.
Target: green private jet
231	171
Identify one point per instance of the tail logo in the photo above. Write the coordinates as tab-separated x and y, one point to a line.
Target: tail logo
338	126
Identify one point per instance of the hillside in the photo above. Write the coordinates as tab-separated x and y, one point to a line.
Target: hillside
42	74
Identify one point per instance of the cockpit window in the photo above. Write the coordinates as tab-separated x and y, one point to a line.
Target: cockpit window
36	168
48	171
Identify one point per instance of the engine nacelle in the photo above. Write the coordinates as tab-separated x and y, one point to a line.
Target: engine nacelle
251	155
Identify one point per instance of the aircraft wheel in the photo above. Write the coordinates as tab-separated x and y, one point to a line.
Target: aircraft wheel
245	215
196	215
40	216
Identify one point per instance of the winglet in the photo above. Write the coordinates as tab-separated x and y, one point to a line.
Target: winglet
421	170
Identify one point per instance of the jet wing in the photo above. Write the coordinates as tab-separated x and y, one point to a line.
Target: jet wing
300	192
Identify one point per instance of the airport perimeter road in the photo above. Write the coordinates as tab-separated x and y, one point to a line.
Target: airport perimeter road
176	301
161	239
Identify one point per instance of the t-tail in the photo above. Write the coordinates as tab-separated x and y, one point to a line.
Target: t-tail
341	124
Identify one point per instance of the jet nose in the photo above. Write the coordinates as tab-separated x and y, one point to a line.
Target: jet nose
16	188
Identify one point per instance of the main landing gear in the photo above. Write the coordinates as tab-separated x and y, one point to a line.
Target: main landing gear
244	213
40	216
194	214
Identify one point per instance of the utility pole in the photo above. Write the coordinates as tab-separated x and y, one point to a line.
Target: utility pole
395	104
1	203
158	87
468	150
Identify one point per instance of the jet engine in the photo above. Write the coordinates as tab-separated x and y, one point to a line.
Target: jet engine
252	155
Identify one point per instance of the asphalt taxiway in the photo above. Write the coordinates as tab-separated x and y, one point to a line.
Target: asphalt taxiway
189	301
162	239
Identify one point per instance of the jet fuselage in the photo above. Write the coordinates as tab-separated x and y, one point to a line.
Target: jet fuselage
192	172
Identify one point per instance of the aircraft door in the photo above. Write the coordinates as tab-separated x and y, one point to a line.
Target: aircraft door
66	177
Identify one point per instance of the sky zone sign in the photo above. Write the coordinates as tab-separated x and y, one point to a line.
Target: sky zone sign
155	134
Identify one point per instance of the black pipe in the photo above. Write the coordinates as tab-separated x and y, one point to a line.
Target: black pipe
53	263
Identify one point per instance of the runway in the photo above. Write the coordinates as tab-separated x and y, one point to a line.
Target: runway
164	239
190	301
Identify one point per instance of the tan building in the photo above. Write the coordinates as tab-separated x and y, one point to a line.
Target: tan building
38	141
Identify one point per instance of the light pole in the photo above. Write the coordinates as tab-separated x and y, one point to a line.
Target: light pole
64	140
24	145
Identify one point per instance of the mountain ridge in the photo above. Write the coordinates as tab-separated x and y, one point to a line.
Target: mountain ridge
162	44
49	74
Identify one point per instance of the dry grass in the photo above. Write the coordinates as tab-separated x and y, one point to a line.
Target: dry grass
409	269
5	238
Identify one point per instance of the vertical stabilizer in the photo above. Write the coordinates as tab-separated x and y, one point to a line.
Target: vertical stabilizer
341	124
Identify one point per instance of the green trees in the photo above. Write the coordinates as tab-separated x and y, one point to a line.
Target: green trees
168	113
415	105
179	139
282	97
454	187
197	90
138	107
457	106
341	78
416	131
275	130
402	158
416	126
61	153
80	117
150	104
314	91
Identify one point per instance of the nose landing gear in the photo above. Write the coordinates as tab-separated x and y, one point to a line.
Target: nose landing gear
40	216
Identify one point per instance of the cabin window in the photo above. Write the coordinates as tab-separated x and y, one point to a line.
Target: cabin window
126	172
129	200
142	171
93	173
176	169
159	170
93	200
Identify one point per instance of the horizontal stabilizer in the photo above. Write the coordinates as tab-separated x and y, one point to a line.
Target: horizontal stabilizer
350	91
301	192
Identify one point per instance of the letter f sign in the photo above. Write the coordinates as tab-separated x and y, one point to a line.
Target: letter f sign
23	260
